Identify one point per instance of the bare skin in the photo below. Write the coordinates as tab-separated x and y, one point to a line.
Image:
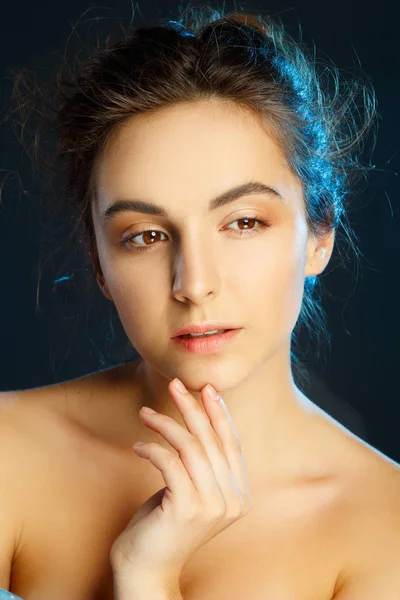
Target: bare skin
310	519
325	505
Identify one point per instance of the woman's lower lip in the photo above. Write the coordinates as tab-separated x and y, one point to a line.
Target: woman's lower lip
203	345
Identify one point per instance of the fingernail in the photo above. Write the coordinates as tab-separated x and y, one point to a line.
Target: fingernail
148	410
212	394
178	385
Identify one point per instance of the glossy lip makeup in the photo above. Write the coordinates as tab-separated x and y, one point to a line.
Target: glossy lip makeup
204	345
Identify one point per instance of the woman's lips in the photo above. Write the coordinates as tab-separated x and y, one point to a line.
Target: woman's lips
206	344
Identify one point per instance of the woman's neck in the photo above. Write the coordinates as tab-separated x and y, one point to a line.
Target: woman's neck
271	415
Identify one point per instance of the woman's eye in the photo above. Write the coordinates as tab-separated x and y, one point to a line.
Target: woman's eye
149	236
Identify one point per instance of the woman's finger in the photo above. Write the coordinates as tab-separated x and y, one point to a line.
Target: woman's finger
221	443
180	488
223	425
191	455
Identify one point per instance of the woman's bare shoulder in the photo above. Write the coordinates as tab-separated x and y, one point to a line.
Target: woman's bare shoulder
60	416
371	526
88	402
372	563
58	395
365	511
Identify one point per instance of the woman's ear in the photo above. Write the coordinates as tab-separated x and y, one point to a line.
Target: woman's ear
319	252
103	287
99	276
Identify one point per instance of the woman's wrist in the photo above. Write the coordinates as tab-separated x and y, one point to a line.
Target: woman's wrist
146	594
150	592
141	587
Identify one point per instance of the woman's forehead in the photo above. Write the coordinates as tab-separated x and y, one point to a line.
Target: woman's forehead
191	145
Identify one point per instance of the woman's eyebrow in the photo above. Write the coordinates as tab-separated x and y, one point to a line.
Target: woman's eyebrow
149	208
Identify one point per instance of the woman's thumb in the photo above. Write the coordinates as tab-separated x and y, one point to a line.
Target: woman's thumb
147	507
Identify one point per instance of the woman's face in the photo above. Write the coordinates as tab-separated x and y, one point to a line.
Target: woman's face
195	266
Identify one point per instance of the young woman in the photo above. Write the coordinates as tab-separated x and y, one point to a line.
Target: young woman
210	171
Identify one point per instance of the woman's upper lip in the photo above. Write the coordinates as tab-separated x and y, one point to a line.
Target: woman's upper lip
203	327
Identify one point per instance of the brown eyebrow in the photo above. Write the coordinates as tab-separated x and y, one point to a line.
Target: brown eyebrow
149	208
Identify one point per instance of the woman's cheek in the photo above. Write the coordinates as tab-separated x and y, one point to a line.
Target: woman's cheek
285	285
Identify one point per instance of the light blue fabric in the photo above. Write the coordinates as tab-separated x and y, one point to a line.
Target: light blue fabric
4	595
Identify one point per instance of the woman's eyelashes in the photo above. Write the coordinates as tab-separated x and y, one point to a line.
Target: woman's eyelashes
150	239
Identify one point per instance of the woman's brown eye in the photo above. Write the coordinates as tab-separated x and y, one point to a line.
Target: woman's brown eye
149	238
248	221
150	235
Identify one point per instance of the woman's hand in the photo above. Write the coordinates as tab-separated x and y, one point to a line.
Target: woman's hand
206	490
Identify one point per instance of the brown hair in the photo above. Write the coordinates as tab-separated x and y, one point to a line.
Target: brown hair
319	118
